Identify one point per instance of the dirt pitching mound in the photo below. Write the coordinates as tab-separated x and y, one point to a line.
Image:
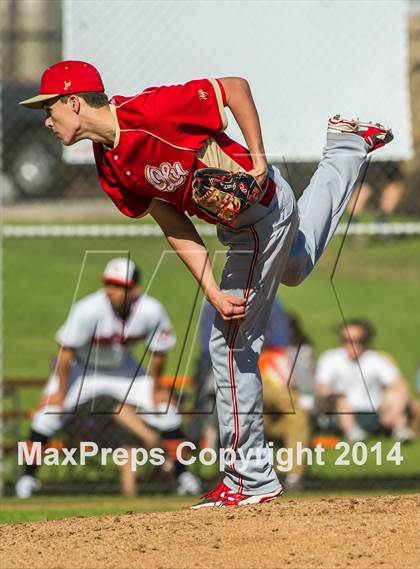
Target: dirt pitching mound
380	532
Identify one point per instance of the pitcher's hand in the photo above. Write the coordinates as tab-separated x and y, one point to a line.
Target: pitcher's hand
260	173
229	307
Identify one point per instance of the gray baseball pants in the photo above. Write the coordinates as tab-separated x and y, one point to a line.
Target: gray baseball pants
270	245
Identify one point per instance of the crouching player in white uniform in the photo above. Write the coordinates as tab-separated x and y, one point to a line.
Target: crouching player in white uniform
96	359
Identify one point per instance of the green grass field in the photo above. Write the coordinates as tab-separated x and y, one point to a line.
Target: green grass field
13	510
55	507
380	282
377	281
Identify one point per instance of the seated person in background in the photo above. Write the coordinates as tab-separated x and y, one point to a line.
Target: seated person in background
301	353
368	389
96	360
287	373
384	181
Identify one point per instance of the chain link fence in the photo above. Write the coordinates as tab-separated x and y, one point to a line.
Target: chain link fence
32	38
370	271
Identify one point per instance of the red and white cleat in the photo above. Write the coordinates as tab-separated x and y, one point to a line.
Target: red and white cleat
375	134
221	496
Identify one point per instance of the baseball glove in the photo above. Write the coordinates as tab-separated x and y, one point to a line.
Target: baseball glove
224	194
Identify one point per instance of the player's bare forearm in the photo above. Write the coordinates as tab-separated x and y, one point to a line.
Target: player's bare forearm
399	389
64	361
184	239
156	367
239	100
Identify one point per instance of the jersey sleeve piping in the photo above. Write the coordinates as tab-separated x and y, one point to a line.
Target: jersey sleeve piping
117	126
219	98
135	97
158	137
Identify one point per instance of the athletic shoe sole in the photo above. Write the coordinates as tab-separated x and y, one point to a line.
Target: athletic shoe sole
337	124
375	140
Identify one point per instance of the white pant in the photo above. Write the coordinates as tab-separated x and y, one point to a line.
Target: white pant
118	384
269	245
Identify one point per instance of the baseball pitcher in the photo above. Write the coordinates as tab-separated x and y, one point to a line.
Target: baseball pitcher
164	152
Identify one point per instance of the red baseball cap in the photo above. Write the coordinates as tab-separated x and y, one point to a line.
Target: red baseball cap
65	78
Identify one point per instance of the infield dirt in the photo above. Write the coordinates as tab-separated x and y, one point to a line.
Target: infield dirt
362	532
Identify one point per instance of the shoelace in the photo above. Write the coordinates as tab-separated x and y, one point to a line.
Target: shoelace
232	498
217	491
224	494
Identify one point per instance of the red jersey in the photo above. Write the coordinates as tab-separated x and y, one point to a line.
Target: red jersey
162	136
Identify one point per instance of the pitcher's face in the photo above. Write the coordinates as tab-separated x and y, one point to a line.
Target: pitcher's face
63	119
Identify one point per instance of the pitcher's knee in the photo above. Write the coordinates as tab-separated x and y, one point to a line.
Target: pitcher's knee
292	278
297	271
